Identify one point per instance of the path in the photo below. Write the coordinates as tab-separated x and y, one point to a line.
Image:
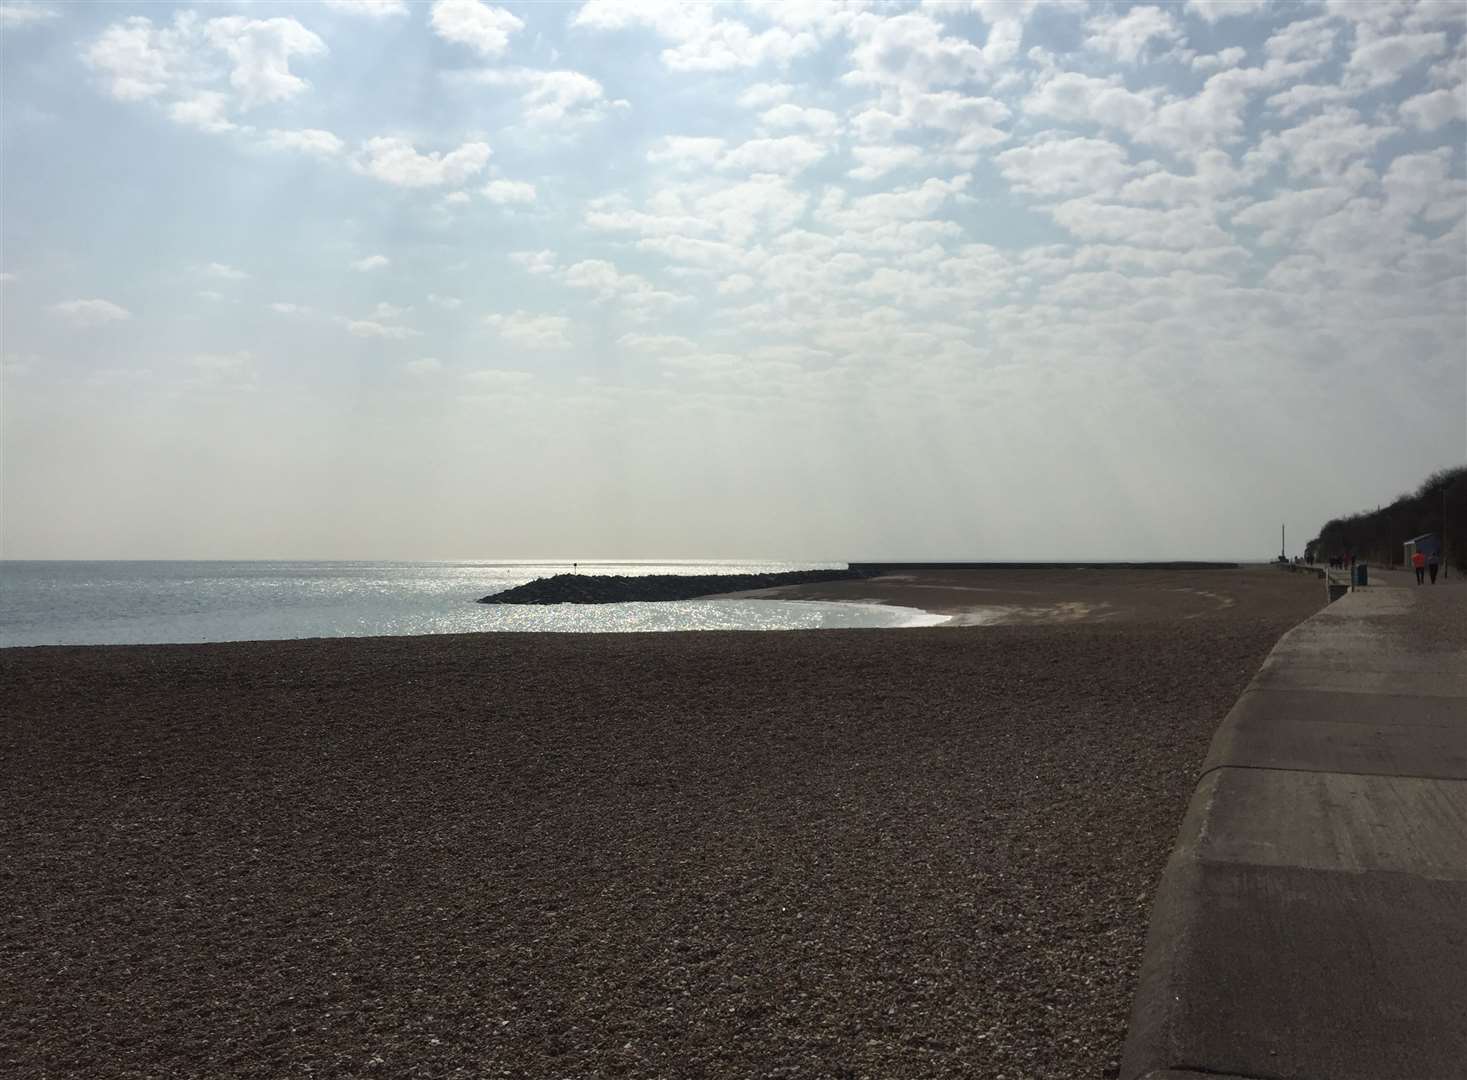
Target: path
1312	921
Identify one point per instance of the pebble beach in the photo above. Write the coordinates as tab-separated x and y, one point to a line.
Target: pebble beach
842	854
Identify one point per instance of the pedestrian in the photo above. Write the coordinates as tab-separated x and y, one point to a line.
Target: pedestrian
1418	563
1431	566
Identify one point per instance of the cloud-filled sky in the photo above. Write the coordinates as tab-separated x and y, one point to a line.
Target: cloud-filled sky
1014	279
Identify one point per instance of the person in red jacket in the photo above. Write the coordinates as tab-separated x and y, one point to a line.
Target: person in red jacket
1418	561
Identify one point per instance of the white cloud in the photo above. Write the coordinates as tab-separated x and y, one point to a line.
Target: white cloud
1429	111
1213	10
206	110
221	362
1066	167
607	282
261	50
762	95
447	303
686	151
311	141
735	285
372	262
697	40
280	307
536	262
532	331
394	161
424	365
497	380
910	50
140	61
210	295
795	117
91	312
372	328
1127	36
509	192
877	161
1226	58
15	14
551	98
1072	97
390	312
481	27
372	9
225	272
1382	61
787	154
6	279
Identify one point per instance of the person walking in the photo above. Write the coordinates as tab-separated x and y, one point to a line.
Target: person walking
1418	563
1431	566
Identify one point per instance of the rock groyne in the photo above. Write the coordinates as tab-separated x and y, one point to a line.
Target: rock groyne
622	588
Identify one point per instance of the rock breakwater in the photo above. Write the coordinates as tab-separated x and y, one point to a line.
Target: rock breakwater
621	588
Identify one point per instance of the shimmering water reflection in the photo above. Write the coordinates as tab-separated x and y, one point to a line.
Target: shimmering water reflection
98	603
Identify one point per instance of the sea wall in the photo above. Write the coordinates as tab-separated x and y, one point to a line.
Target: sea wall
619	588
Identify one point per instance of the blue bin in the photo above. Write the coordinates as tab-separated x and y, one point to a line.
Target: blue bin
1362	577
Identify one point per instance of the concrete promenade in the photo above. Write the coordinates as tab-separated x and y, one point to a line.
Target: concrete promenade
1312	920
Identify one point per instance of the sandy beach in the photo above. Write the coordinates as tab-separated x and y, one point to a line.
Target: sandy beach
843	854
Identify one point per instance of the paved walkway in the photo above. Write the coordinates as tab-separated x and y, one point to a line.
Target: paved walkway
1312	921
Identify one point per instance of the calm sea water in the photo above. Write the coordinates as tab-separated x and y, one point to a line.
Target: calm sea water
132	603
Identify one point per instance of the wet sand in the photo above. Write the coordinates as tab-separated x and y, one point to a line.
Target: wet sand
995	597
884	853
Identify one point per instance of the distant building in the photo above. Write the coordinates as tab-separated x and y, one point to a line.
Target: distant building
1426	543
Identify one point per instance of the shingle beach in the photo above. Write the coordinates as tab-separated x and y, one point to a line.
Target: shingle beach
873	853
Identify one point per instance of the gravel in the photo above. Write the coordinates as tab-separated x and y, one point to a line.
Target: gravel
884	853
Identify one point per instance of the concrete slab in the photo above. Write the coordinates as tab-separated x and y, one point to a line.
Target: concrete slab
1389	734
1312	920
1274	971
1348	823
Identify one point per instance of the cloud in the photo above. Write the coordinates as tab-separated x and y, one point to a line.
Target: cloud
15	14
787	154
698	40
795	117
447	303
141	61
372	328
608	283
261	50
371	9
1429	111
394	161
6	279
877	161
1072	97
536	262
1211	11
911	51
1066	167
532	331
224	272
1384	60
1127	36
551	97
311	141
687	151
210	295
205	110
497	380
91	312
482	27
283	308
424	365
762	95
509	192
372	262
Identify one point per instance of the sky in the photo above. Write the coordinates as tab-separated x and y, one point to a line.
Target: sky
824	281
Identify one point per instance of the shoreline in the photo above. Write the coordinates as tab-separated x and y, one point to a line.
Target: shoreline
588	855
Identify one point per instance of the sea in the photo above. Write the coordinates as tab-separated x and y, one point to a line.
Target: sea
138	603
